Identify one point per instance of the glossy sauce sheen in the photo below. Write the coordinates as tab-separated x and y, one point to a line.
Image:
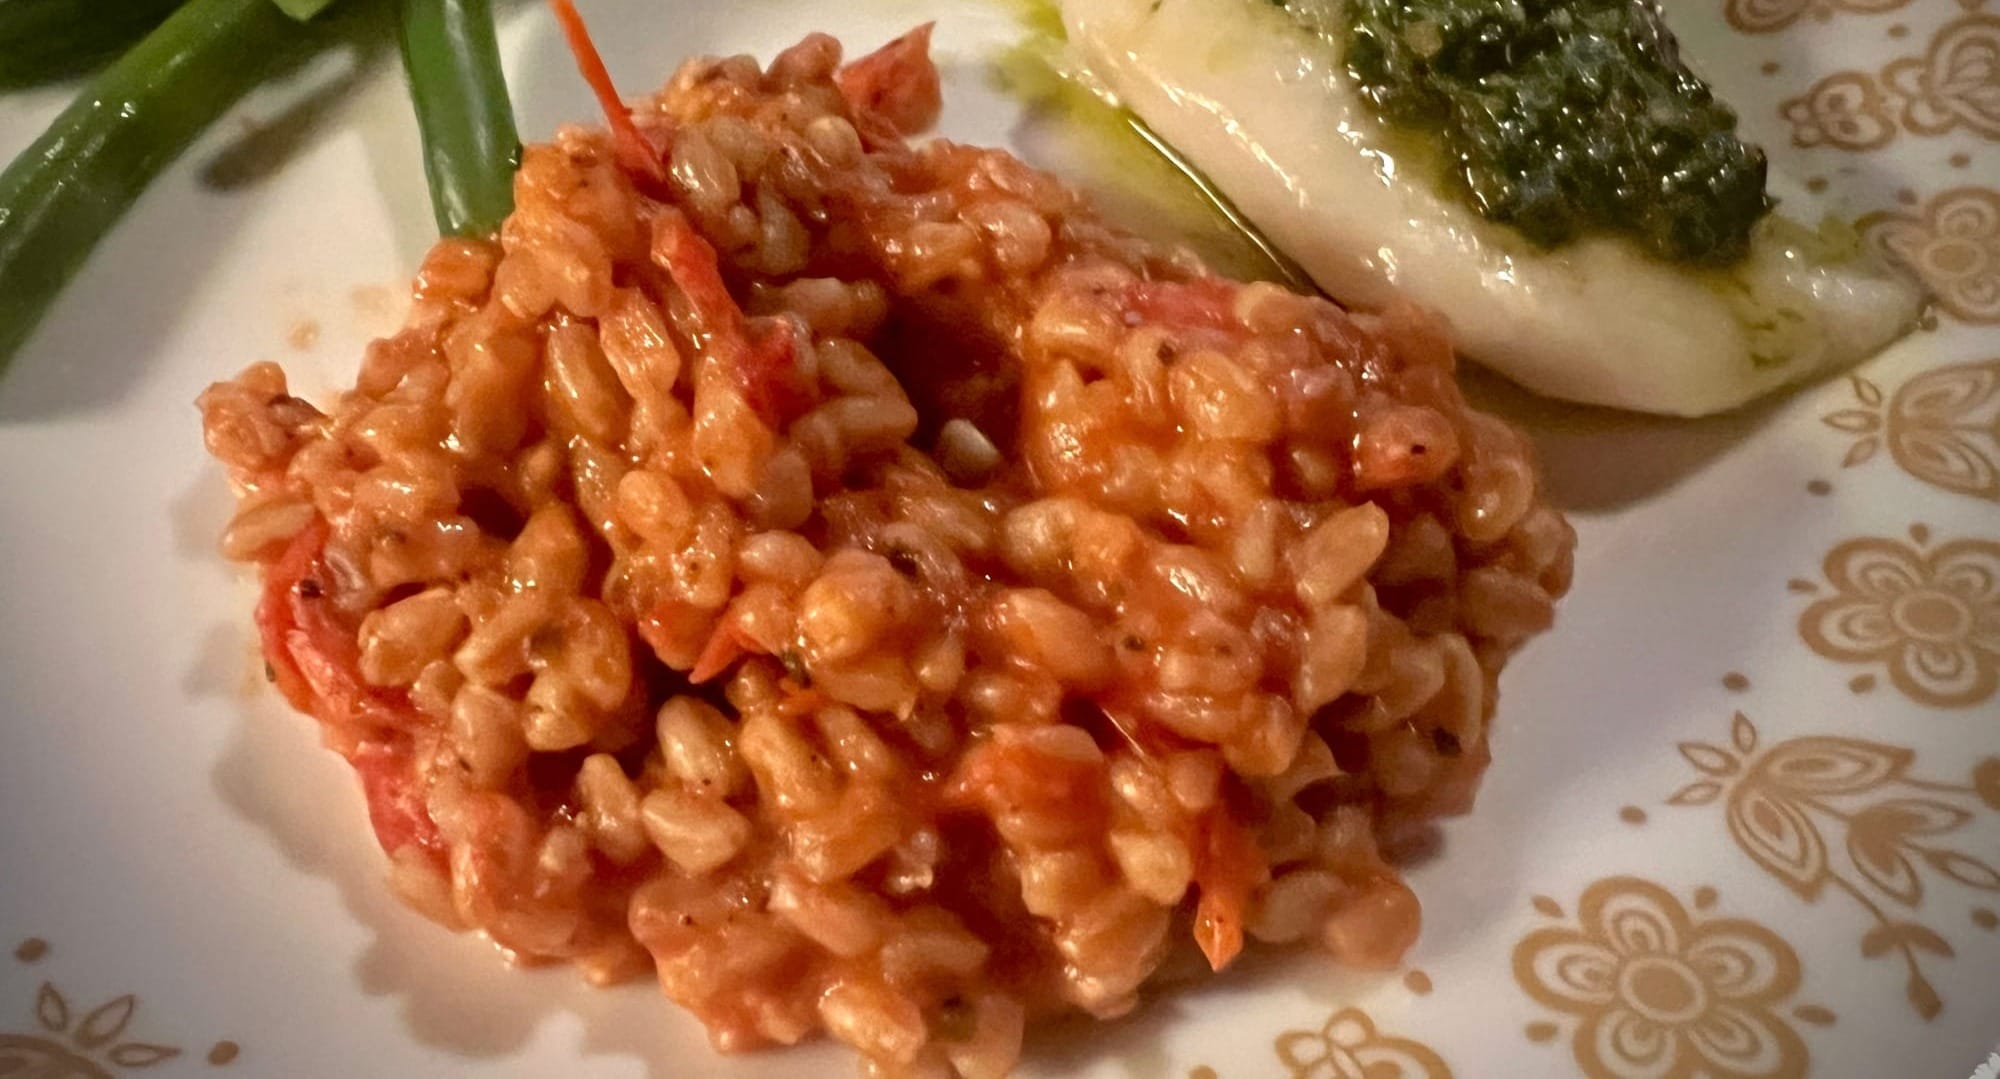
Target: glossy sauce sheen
678	623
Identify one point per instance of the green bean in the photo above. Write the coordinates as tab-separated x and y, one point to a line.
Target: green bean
73	183
302	9
44	40
470	145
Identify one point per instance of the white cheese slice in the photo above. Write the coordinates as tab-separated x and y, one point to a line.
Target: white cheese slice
1262	106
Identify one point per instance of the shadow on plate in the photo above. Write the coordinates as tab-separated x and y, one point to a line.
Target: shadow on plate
1600	459
453	992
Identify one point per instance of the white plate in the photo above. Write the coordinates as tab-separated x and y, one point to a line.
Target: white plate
183	868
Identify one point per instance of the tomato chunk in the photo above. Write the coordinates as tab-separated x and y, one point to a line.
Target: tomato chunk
897	83
312	656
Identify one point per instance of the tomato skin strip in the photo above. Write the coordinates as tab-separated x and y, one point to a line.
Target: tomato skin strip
396	806
1228	867
315	663
727	644
635	151
764	369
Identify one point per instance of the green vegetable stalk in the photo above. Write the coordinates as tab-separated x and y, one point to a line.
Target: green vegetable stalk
42	40
470	145
302	10
71	186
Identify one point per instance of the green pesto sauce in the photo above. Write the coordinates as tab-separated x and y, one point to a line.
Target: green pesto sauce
1564	117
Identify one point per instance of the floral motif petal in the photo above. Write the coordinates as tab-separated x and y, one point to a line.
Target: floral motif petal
1348	1028
1964	869
1974	298
1564	970
1823	765
1943	676
1696	794
1944	396
1845	110
1953	244
1970	570
1777	835
1709	759
1764	16
1849	629
1770	16
1965	72
1737	1042
1897	236
1876	568
1348	1046
1967	214
1879	859
1908	937
1879	842
1301	1051
1389	1057
51	1010
1946	459
1854	421
1743	733
1899	817
1742	961
33	1058
1619	1042
139	1055
106	1022
1633	917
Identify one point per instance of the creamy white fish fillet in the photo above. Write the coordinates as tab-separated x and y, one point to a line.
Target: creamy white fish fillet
1264	108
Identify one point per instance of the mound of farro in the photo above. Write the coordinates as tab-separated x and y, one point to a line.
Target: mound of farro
842	578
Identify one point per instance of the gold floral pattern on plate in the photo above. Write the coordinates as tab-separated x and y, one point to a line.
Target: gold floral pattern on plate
1952	244
1891	825
71	1044
1657	990
1928	615
1954	84
1770	16
1942	426
1845	110
1348	1046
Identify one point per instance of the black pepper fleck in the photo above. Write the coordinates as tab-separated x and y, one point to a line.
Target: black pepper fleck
795	668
